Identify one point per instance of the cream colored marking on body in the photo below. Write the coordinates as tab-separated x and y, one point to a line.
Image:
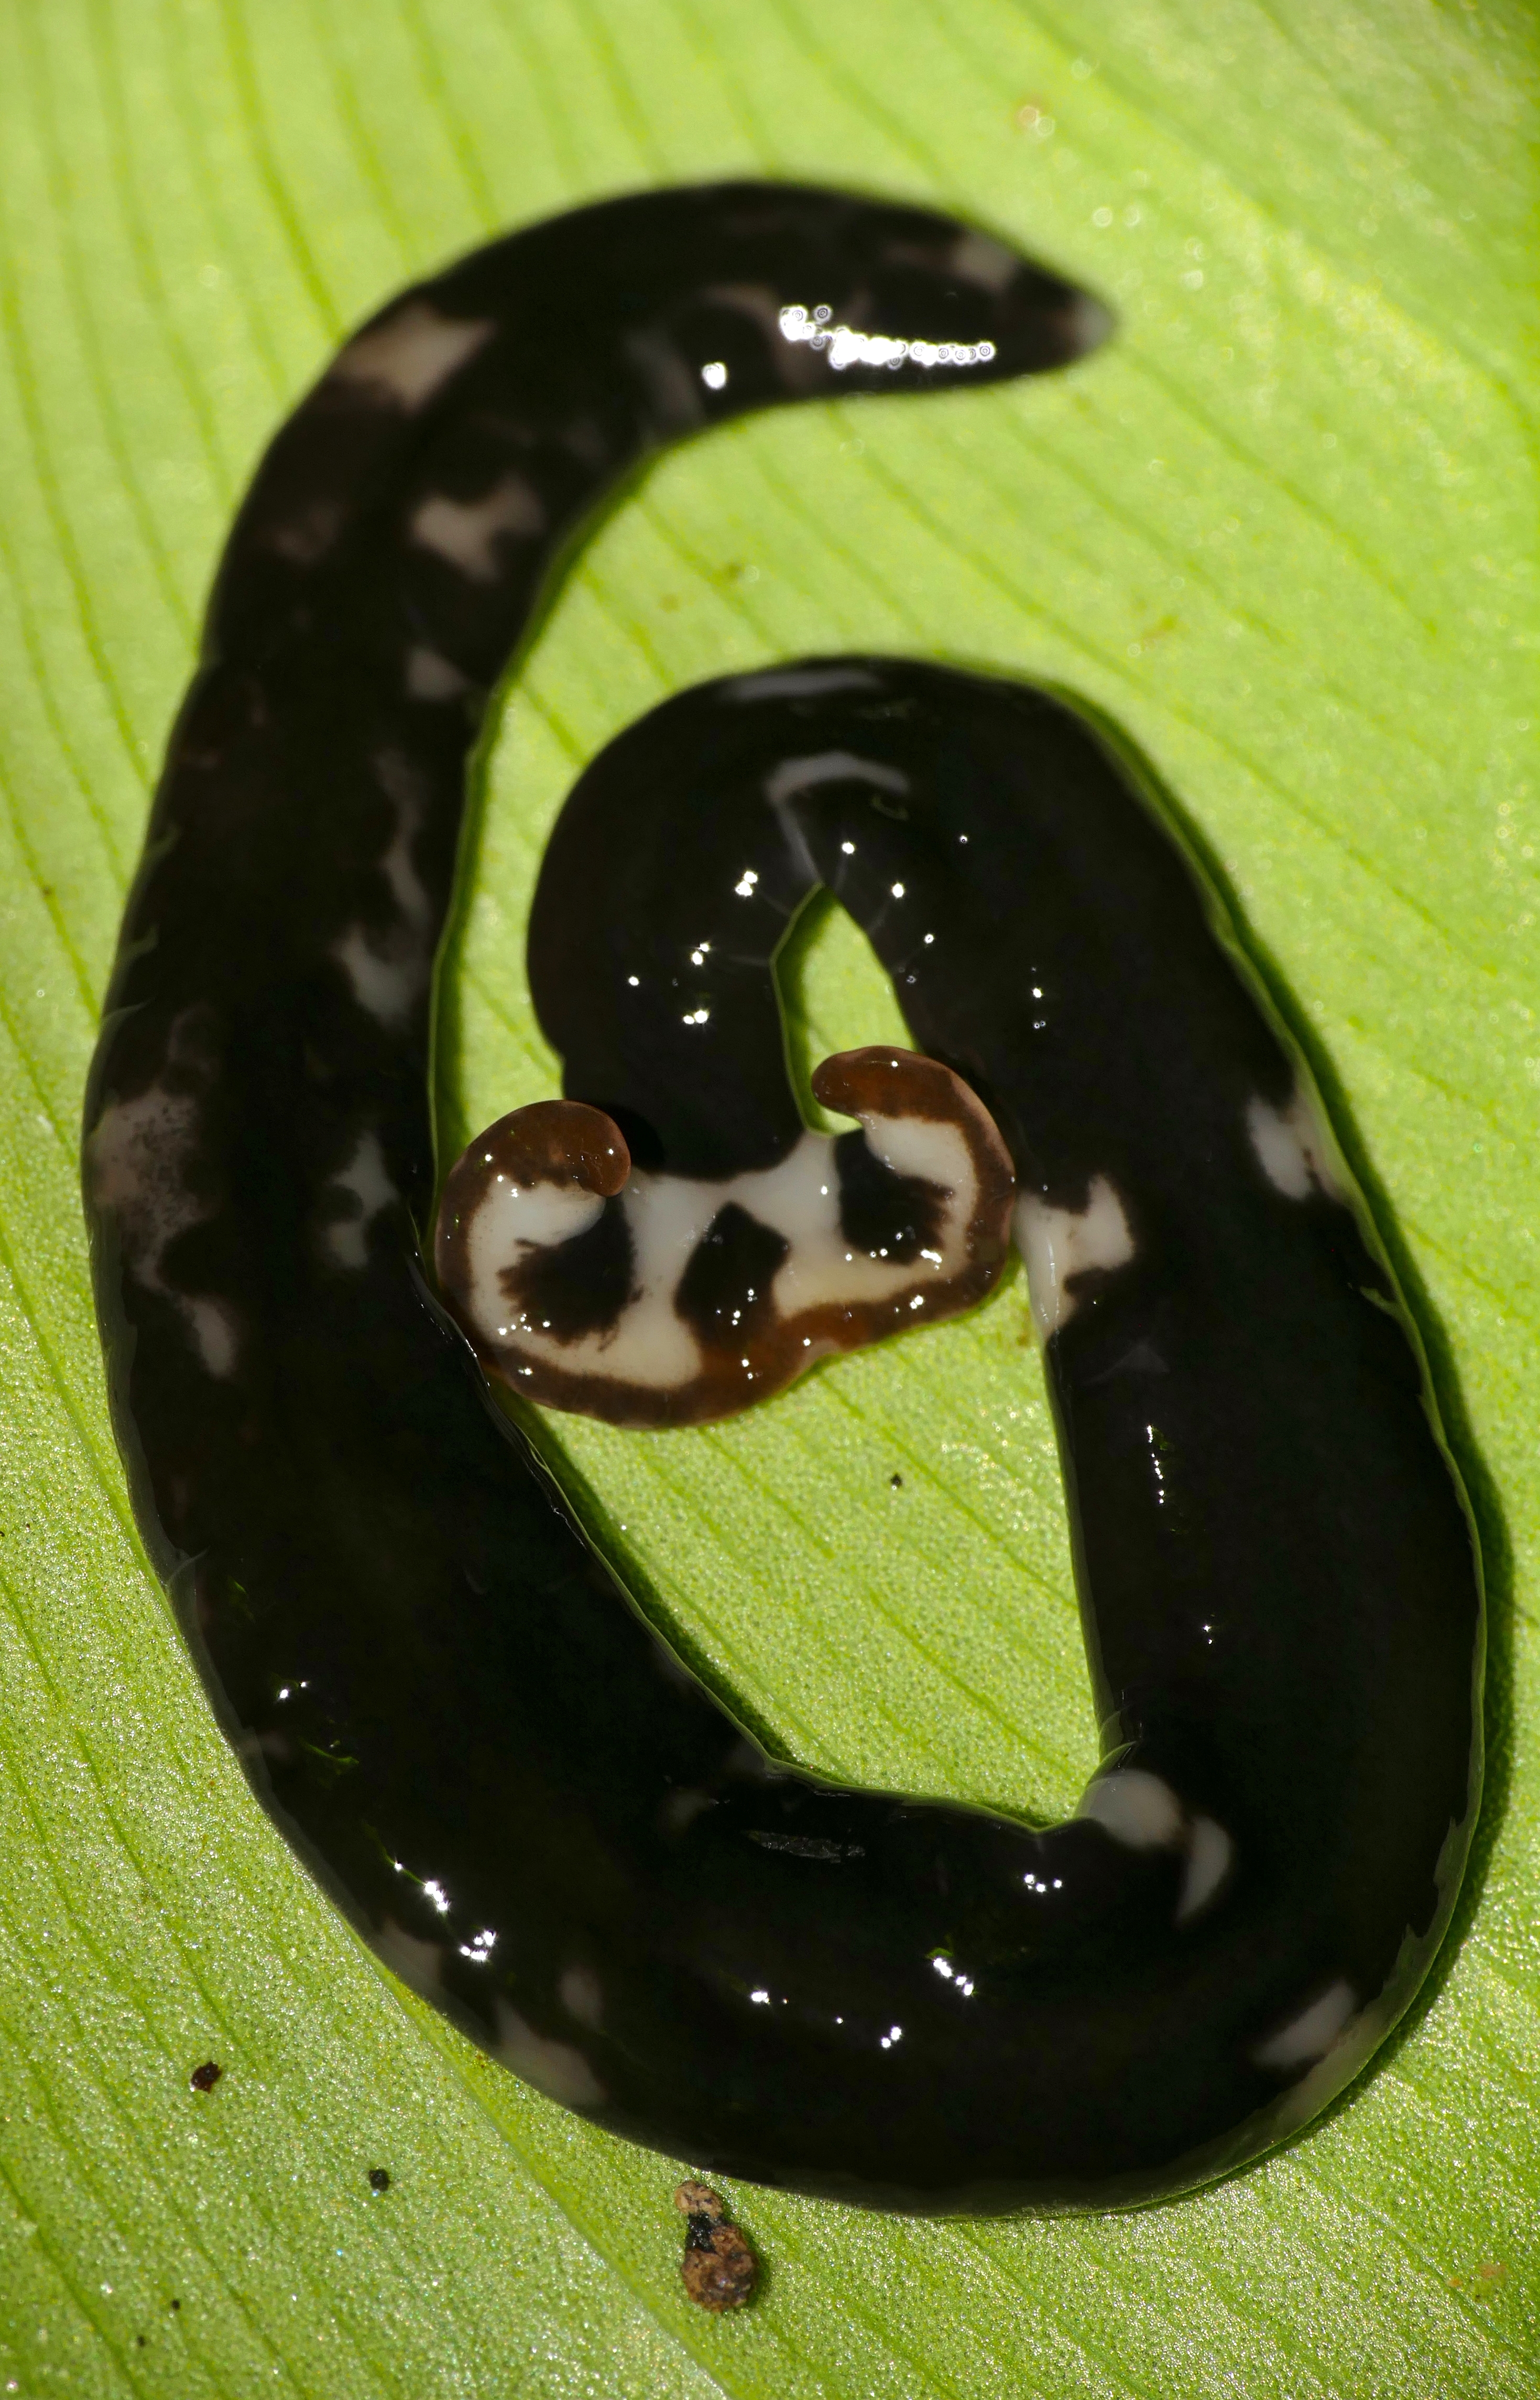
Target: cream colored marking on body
1296	1153
506	1224
468	532
931	1148
1059	1243
140	1155
1311	2034
1139	1810
650	1344
366	1183
399	779
1089	323
215	1331
797	683
1211	1853
387	970
800	1200
822	1269
581	1996
667	1217
430	676
419	1963
1142	1812
386	973
681	1809
1353	2049
980	260
553	2068
309	534
411	354
794	775
668	377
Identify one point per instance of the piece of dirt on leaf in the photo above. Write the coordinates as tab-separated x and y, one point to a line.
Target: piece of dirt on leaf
718	2269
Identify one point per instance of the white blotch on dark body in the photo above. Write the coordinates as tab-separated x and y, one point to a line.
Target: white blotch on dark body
554	2067
1137	1809
419	1963
142	1160
682	1807
387	974
1293	1148
1210	1855
470	534
581	1996
1088	321
669	379
1059	1244
795	775
797	683
365	1187
308	535
411	354
1140	1811
668	1216
389	967
977	259
1309	2036
428	675
399	779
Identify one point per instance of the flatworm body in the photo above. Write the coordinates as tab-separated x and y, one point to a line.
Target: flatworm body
441	1691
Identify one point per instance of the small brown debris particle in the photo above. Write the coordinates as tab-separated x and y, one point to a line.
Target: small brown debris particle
719	2268
176	2304
379	2179
1487	2277
204	2077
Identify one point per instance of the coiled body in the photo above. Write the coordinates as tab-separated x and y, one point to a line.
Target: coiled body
443	1693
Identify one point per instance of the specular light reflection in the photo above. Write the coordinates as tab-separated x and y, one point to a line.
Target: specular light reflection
846	348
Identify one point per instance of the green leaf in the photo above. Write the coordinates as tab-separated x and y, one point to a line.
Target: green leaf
1283	530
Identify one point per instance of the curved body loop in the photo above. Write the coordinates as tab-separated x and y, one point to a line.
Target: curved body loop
443	1693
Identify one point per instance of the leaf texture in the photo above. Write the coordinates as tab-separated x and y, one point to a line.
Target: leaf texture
1283	531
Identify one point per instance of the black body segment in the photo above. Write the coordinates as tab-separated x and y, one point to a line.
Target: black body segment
443	1694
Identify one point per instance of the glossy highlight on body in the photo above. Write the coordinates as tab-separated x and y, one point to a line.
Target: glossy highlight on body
442	1692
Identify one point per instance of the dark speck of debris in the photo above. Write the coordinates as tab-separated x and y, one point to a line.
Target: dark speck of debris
176	2304
204	2077
897	1482
379	2179
719	2268
140	2339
